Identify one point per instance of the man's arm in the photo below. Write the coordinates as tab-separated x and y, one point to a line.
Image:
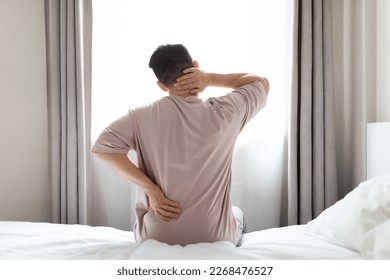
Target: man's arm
163	208
197	80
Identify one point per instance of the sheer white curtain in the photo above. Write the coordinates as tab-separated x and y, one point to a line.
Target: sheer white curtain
224	36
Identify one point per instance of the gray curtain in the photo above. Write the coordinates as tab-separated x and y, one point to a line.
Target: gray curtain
312	178
68	46
355	72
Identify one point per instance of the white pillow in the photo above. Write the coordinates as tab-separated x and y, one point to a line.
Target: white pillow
376	243
350	219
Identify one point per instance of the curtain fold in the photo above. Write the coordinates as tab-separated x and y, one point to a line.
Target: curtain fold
355	86
68	51
312	174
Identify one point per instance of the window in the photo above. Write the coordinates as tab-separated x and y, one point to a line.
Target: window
223	36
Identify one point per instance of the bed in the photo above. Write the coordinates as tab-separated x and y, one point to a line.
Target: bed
356	227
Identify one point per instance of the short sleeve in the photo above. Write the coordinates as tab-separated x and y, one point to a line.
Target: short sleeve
118	137
249	100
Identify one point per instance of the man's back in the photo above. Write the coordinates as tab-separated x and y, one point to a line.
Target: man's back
185	146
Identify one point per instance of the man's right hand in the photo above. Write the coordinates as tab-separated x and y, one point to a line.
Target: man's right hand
194	79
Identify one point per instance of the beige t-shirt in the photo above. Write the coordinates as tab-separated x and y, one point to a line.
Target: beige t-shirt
185	146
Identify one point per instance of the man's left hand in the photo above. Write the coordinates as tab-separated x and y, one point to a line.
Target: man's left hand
164	209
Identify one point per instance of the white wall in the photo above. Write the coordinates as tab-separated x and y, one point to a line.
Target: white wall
383	61
24	183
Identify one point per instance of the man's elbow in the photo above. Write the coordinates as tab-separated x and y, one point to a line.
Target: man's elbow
265	83
98	155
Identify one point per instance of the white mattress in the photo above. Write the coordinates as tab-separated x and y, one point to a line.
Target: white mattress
356	227
43	241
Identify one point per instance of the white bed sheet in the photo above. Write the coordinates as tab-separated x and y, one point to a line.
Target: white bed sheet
43	241
291	242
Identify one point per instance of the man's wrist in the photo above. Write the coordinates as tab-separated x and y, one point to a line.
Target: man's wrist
149	188
208	79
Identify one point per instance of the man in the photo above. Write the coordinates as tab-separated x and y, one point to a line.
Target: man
184	149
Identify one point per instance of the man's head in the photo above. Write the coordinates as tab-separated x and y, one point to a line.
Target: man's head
168	63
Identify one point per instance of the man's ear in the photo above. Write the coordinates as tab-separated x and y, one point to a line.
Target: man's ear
196	64
162	86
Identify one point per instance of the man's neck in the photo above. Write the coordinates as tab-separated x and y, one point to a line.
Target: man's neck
181	93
